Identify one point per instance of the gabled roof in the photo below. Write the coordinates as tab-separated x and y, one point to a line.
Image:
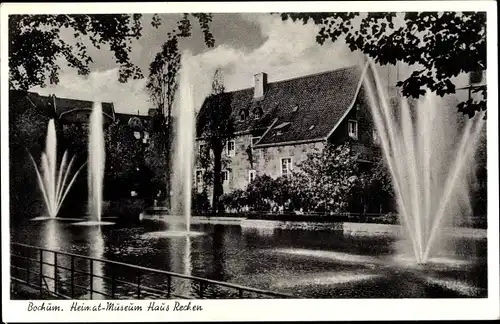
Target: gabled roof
65	107
293	106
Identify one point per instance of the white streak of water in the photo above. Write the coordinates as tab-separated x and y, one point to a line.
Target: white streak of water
51	180
427	152
183	158
96	158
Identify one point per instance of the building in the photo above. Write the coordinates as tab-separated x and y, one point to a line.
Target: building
73	111
66	111
277	124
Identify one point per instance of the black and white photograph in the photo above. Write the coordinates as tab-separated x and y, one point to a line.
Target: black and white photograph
162	160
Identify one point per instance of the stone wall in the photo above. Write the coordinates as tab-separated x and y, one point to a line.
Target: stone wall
263	160
269	158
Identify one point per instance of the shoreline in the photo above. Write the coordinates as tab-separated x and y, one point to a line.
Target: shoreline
348	228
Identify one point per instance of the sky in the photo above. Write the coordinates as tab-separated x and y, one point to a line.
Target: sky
246	44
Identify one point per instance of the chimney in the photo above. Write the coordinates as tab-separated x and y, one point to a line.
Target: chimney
260	85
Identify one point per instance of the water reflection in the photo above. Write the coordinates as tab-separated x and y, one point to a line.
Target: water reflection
53	238
180	262
308	264
97	251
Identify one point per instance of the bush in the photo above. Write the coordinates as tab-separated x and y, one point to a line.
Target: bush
235	201
200	204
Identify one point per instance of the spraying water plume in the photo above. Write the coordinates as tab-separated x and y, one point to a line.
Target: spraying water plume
183	158
96	159
53	179
428	153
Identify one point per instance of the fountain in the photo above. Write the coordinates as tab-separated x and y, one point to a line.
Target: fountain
179	219
96	159
429	154
53	181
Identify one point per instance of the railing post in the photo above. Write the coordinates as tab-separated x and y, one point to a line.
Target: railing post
201	289
28	269
169	285
91	278
72	277
113	283
240	295
55	272
41	274
138	284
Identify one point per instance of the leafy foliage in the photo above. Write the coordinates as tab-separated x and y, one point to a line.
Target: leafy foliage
155	154
123	151
216	127
162	81
36	43
234	200
27	126
200	203
441	44
329	181
330	176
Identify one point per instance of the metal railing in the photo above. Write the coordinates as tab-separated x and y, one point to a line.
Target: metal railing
31	268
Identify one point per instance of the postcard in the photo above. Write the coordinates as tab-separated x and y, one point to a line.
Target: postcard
249	161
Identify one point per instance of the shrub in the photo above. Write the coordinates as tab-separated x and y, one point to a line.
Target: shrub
200	203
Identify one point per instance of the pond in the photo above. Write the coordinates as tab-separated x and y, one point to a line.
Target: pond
306	264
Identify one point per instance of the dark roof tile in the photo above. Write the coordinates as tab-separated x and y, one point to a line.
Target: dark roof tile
320	100
65	106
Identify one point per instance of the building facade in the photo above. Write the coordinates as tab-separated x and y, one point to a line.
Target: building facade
278	124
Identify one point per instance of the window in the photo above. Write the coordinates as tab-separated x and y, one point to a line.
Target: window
286	166
295	108
201	149
230	148
257	113
376	139
199	177
243	114
352	126
251	175
225	176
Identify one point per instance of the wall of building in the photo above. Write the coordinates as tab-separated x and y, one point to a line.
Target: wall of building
262	160
269	158
365	143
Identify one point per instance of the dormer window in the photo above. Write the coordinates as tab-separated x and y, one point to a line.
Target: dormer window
258	112
281	128
243	114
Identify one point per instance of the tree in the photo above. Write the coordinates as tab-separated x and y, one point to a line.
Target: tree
35	43
217	128
162	81
441	44
330	176
162	85
124	158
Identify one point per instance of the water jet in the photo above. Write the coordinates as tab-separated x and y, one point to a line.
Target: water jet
427	150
